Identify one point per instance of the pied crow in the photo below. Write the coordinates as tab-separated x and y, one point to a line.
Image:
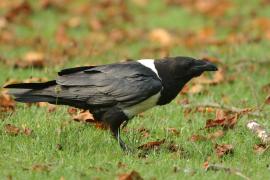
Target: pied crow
115	93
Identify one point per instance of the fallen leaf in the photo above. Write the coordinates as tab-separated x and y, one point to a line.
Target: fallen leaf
95	24
11	129
213	8
6	102
266	88
58	4
227	122
211	59
74	22
27	131
50	107
220	114
40	168
85	116
172	147
59	147
72	111
218	78
62	37
133	175
3	23
223	149
194	89
215	135
174	131
31	59
141	3
144	132
121	165
22	8
161	36
151	145
196	138
260	148
267	100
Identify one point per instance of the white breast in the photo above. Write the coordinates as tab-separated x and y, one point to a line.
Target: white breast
142	106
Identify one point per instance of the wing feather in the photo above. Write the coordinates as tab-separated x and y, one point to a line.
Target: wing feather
116	84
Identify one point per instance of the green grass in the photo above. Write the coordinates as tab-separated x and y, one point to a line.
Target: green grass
89	153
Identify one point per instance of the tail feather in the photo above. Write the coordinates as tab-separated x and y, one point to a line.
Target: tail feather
35	98
32	85
33	92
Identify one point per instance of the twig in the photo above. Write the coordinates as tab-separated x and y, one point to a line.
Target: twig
228	108
260	131
217	167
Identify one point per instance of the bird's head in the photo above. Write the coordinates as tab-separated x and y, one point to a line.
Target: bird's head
189	67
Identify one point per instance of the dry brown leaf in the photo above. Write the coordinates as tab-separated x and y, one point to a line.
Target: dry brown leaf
50	107
194	89
218	77
52	3
40	168
173	131
27	131
204	36
74	22
117	35
211	59
267	100
3	23
161	36
141	3
196	138
172	147
31	59
85	117
205	109
227	122
95	24
151	145
133	175
11	129
212	136
62	37
6	102
213	8
121	165
223	149
215	135
72	111
220	114
22	8
266	88
260	148
144	132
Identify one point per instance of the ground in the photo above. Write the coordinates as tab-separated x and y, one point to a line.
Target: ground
39	38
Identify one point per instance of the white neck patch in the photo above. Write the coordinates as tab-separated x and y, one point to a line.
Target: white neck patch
150	64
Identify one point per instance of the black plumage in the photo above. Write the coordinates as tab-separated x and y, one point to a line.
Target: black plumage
114	93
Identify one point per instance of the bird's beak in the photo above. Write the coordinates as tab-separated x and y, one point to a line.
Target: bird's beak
202	65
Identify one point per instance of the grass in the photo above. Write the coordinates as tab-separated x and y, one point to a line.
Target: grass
89	153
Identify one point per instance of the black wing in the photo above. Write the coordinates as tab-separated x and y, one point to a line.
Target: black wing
122	84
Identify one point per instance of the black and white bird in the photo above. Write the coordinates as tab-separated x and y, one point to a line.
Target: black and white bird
115	93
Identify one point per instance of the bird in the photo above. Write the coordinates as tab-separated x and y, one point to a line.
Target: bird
115	93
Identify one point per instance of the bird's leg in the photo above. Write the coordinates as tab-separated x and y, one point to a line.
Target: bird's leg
116	134
114	118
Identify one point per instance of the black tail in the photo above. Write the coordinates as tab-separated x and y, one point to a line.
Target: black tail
33	92
32	85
